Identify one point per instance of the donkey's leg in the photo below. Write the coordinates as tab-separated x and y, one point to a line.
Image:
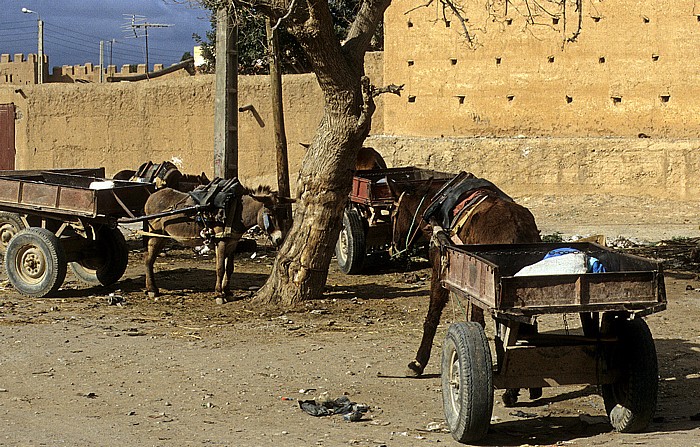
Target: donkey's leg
438	300
220	266
155	245
228	271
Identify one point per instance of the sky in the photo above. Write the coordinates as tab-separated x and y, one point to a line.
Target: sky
73	30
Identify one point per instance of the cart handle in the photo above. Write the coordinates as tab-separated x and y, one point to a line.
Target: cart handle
163	214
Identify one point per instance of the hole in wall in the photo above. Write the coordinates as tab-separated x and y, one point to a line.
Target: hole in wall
510	97
645	19
410	63
555	20
447	23
411	98
460	98
596	19
498	61
550	59
453	61
569	99
616	99
410	24
665	98
510	21
698	17
654	57
601	60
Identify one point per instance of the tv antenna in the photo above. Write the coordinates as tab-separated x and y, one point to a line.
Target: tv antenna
138	25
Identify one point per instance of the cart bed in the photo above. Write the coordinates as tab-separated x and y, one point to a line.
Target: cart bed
66	192
371	188
484	273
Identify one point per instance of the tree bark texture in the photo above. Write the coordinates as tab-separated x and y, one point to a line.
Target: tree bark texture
301	267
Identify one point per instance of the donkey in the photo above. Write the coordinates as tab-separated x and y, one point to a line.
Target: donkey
253	207
368	158
492	218
165	175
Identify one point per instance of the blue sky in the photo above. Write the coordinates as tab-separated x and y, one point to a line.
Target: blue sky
73	30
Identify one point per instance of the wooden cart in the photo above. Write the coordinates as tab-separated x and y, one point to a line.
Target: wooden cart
53	219
367	218
616	349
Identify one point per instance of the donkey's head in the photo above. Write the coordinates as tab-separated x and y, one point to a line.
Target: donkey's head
410	201
268	212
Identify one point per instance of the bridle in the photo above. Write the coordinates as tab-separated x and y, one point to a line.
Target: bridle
412	230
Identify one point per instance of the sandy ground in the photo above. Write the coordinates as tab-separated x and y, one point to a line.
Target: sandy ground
88	368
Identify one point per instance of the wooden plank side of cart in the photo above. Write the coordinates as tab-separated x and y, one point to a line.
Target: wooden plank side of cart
67	193
485	275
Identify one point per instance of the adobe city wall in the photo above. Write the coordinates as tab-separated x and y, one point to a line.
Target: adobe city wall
121	125
630	70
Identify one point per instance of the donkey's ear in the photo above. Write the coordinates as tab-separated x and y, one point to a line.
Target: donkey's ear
266	199
395	188
284	200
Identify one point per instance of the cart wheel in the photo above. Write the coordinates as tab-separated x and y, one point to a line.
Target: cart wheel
350	248
467	382
35	262
631	401
10	224
111	256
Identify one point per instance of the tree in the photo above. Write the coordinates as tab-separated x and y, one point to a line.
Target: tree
252	47
301	267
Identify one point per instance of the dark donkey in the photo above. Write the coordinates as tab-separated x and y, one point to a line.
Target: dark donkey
164	175
221	223
480	214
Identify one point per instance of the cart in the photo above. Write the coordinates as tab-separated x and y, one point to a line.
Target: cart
367	225
615	351
52	219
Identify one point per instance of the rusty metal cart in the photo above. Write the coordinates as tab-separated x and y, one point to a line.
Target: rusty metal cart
367	218
52	219
615	351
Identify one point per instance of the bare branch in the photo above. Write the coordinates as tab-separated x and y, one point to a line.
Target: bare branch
391	88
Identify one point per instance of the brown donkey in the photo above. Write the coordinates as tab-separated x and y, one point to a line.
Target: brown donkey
243	211
488	217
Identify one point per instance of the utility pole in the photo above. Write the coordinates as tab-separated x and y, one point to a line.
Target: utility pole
40	45
102	61
226	99
278	116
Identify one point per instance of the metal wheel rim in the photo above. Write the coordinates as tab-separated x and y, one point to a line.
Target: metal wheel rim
7	232
343	245
30	264
454	376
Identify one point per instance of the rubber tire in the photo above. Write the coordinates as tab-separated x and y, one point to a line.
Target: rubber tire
43	247
631	402
110	267
350	248
10	225
467	382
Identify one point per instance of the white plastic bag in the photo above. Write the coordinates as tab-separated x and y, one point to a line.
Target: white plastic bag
568	264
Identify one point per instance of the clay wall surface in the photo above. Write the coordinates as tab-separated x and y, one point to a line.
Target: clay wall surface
19	70
664	169
631	70
121	125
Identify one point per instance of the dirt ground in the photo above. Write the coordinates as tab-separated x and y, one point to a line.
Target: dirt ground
113	367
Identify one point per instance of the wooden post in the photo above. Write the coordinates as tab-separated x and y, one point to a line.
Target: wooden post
226	101
278	116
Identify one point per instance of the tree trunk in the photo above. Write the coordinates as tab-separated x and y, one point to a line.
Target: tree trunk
301	266
325	179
